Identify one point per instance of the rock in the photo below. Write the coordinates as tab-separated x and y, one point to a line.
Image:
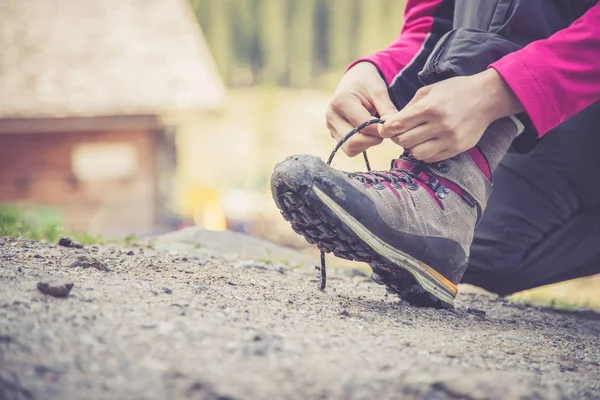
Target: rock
43	370
11	389
251	264
130	253
355	272
195	387
86	262
201	289
476	311
263	345
167	290
68	242
200	390
5	339
194	241
65	241
55	289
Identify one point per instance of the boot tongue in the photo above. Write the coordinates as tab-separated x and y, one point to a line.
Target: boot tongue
481	163
402	163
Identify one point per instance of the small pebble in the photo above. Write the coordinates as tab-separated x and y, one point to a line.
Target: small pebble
55	289
86	262
476	311
167	290
65	241
68	242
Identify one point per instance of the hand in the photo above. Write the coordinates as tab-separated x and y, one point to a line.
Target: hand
360	95
449	117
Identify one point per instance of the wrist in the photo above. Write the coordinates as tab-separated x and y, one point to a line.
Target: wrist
364	65
498	99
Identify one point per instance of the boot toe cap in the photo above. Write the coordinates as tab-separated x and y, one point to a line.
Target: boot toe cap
296	172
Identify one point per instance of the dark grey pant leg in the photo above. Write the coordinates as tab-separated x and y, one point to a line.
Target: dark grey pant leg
542	223
485	31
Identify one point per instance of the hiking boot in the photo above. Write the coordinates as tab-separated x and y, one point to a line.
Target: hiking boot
413	224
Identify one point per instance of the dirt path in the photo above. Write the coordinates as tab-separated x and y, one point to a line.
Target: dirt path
142	323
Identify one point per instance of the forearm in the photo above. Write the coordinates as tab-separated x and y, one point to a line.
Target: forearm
500	100
557	77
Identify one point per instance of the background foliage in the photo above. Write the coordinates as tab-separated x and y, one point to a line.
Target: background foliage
294	42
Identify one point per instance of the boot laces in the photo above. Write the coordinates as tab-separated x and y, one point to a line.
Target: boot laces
392	176
374	175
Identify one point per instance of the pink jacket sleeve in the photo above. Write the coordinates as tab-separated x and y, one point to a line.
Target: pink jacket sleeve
419	18
555	78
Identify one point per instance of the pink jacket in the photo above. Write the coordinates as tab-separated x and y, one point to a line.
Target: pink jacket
554	78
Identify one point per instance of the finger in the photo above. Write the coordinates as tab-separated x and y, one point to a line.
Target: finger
339	127
416	136
441	156
352	110
419	95
428	150
359	143
383	103
404	120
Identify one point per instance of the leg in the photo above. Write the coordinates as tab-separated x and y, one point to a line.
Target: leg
542	223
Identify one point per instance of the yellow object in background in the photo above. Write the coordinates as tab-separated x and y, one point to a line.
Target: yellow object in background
203	204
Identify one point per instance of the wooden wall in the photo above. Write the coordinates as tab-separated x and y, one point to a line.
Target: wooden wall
35	169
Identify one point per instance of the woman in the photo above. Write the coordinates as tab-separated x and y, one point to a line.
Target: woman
506	86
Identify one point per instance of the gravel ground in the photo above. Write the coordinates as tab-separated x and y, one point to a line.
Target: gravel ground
149	322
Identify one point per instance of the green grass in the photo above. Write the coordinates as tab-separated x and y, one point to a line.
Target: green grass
576	294
44	224
14	221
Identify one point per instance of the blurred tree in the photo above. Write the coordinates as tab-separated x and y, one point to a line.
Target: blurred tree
394	12
371	26
216	18
340	33
301	42
291	42
272	40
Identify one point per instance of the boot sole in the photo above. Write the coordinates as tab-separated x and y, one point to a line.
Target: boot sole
314	215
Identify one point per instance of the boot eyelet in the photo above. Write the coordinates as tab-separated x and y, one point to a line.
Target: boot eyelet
412	186
434	184
442	167
442	192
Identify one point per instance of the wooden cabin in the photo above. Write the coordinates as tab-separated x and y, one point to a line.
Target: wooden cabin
83	88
